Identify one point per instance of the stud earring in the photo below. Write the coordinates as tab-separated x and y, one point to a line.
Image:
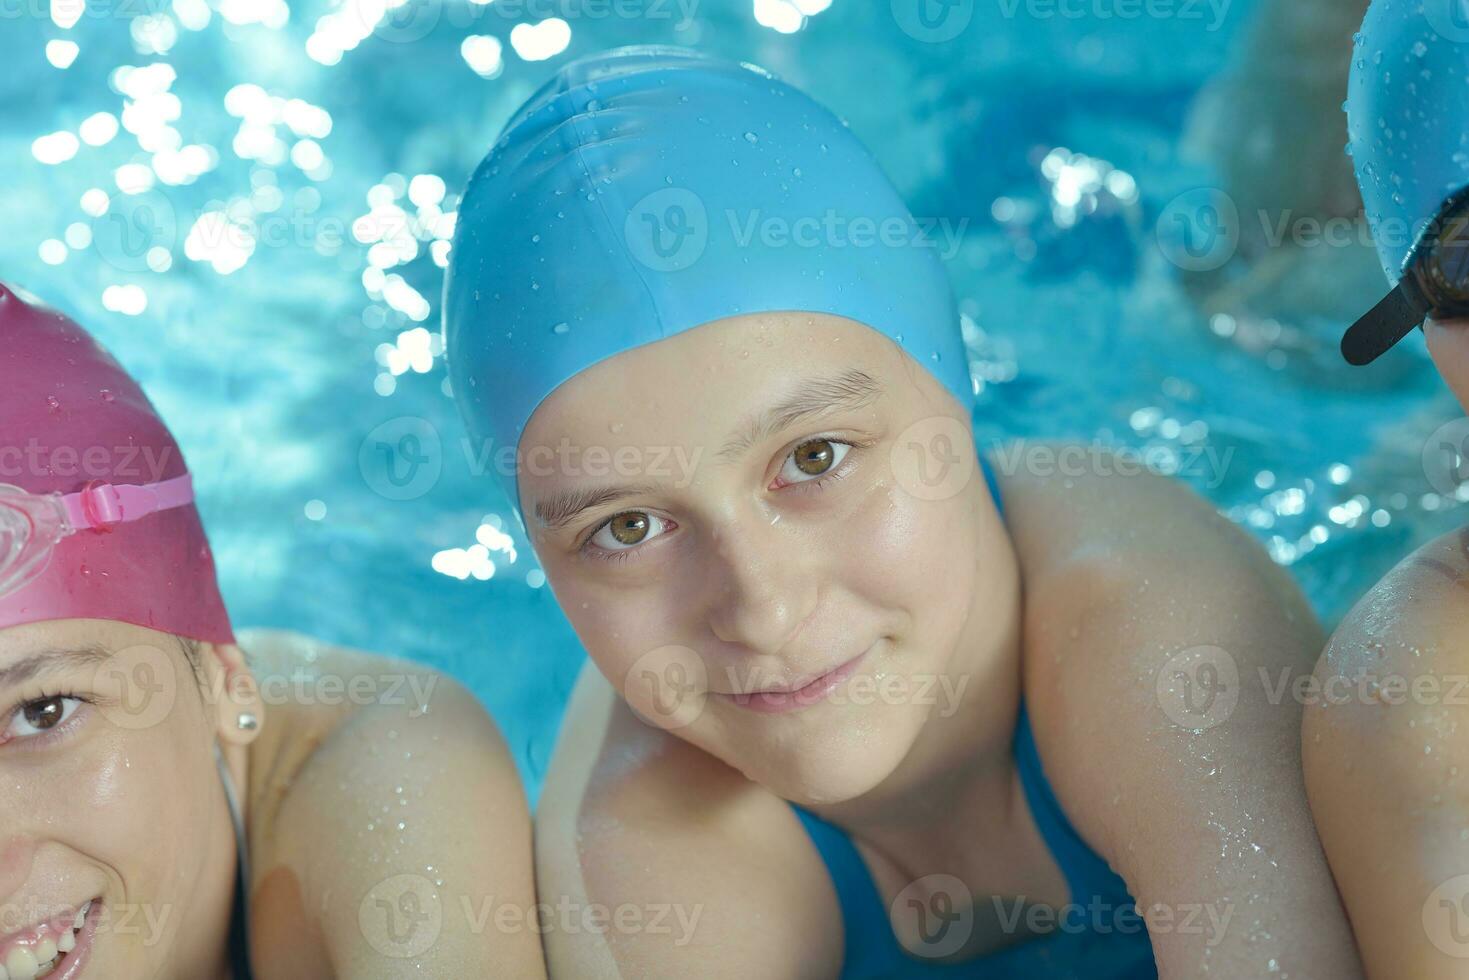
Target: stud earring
247	722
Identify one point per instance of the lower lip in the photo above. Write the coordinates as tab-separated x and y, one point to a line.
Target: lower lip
780	702
73	963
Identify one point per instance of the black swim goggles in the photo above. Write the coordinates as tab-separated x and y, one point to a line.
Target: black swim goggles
1435	283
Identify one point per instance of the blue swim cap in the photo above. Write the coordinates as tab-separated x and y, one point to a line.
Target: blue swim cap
649	190
1408	118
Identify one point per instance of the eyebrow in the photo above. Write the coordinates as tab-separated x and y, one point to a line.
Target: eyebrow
811	398
45	662
814	397
559	509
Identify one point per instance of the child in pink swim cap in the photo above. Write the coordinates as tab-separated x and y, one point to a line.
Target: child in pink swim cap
126	705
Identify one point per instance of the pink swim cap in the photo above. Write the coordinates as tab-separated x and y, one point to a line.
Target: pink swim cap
70	418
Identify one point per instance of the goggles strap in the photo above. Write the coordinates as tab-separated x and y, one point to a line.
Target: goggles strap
102	506
1389	322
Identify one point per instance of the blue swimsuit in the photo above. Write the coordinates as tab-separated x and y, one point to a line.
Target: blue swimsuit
1110	943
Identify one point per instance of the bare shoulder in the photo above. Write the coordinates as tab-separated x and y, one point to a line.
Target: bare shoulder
1157	634
715	874
1154	628
1121	565
1071	500
313	692
1385	757
1395	676
376	775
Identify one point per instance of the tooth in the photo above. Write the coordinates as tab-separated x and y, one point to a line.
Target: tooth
65	943
21	963
47	950
45	969
80	917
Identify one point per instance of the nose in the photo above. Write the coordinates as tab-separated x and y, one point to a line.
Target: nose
766	583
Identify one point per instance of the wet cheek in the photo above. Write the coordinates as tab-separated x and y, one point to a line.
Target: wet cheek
894	545
615	629
127	806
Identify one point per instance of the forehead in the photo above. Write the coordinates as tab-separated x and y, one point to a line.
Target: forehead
706	376
76	634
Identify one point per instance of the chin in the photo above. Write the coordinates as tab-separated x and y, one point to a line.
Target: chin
828	764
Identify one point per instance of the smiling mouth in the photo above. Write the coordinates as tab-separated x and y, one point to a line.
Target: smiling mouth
55	949
794	699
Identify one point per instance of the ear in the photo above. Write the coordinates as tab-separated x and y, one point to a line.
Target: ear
240	710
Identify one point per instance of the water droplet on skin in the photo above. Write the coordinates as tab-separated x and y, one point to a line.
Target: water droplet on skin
751	138
561	328
108	396
53	403
615	427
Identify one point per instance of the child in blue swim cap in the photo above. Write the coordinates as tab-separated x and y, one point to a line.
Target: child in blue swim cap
1398	661
1408	115
862	700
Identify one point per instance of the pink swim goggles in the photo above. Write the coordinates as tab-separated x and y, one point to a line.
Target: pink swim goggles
32	525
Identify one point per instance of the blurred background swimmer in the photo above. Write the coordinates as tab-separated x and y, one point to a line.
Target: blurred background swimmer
183	806
863	701
1270	124
1392	684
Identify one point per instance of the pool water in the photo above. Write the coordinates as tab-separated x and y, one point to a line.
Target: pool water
273	279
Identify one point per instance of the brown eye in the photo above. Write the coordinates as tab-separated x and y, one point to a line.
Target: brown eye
45	714
627	530
40	716
630	528
814	458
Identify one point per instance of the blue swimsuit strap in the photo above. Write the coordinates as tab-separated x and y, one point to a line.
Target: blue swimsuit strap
869	935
